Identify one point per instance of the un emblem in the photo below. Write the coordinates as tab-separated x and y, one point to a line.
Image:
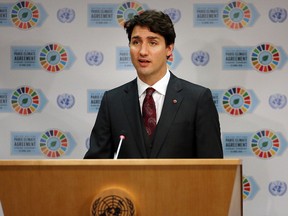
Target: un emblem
174	14
113	202
277	101
277	188
66	101
278	15
94	58
66	15
200	58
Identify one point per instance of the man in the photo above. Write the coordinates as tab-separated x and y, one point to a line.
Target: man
186	124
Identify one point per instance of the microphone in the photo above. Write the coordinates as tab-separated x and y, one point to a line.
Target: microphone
122	137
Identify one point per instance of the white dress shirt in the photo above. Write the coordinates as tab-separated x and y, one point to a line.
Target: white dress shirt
159	94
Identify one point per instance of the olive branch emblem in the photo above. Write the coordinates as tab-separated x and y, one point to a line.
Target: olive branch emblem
94	206
131	206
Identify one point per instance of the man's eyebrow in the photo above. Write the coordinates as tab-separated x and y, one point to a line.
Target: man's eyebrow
149	37
153	37
136	37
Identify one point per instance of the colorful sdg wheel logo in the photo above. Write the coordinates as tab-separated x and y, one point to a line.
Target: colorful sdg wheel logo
247	188
53	143
25	100
53	58
236	15
25	15
127	10
265	58
236	101
265	144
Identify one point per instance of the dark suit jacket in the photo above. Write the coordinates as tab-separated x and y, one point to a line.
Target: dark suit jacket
188	126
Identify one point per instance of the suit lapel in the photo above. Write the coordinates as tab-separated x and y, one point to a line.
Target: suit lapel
131	106
172	102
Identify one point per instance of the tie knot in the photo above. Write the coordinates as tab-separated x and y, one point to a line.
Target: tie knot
149	91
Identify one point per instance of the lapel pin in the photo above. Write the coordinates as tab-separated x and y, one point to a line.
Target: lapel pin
174	101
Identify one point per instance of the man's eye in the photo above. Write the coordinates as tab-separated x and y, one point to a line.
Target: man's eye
153	43
135	42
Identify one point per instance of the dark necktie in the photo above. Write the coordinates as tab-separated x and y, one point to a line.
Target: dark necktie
149	112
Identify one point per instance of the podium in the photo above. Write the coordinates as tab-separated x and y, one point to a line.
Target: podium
156	187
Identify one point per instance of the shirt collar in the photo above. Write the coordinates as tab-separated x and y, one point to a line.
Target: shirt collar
160	86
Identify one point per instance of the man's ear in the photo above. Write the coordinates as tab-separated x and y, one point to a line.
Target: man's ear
170	49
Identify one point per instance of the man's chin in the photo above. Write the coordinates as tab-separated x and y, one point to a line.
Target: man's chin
143	72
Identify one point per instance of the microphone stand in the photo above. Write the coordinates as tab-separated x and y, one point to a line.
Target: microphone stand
122	137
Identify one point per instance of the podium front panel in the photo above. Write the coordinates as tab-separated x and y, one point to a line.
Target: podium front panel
157	187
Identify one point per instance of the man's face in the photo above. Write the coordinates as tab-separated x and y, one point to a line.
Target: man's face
149	54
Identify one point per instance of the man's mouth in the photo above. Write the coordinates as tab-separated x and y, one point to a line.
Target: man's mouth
143	61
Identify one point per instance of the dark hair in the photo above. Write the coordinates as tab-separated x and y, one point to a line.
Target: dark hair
157	22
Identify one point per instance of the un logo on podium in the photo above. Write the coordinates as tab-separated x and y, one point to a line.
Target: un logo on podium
115	201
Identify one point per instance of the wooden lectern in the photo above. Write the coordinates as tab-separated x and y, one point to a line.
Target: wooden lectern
158	187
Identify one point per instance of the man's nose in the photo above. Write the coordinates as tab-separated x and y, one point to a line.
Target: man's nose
144	49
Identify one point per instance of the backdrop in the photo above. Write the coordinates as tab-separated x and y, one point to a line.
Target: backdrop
58	57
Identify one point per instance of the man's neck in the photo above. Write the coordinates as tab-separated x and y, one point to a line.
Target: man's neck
151	80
